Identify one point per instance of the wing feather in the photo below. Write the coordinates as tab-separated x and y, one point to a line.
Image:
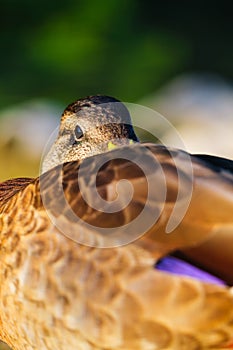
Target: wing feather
54	286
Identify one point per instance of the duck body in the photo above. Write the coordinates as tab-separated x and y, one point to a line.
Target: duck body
65	285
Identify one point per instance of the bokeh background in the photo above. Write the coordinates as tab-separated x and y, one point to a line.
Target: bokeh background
175	57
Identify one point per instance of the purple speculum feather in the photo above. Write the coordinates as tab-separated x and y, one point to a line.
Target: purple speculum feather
179	267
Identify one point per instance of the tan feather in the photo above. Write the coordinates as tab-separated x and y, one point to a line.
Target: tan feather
56	293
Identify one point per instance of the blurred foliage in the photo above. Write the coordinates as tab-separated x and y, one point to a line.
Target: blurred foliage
127	48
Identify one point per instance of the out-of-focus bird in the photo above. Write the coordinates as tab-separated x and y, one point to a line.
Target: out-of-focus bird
57	293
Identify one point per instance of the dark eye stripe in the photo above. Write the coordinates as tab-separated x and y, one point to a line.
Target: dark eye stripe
78	132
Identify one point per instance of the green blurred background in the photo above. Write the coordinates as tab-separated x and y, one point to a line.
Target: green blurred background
53	52
56	51
62	50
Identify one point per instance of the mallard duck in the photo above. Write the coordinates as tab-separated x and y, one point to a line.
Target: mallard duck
76	275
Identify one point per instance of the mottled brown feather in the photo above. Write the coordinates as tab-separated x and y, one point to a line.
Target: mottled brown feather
58	294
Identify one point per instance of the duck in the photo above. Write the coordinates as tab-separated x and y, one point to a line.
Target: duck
83	243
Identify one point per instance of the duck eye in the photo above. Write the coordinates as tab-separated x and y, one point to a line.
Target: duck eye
78	132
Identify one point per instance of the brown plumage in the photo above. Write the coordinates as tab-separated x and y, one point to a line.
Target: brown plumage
57	293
